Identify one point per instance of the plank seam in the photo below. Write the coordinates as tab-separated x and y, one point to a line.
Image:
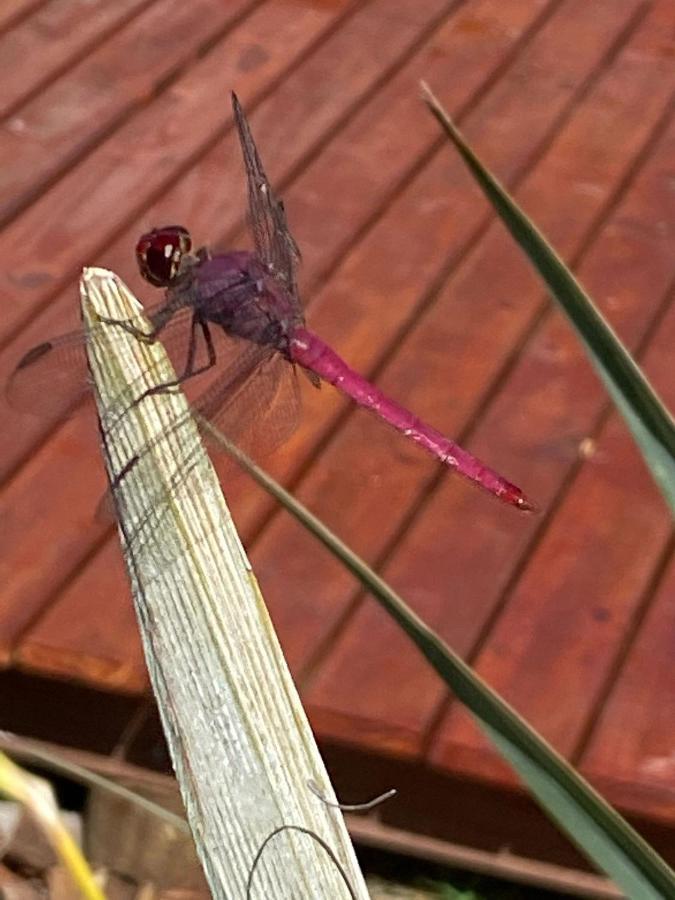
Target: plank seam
452	8
649	593
70	576
96	139
630	637
21	16
70	63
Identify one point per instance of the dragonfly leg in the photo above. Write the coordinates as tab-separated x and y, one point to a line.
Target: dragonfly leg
159	320
189	371
148	337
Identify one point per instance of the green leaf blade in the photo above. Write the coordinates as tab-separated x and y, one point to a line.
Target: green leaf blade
650	422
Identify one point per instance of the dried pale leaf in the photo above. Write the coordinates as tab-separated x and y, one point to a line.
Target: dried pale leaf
239	738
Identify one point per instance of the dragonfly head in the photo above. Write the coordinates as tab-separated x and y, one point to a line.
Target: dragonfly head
160	252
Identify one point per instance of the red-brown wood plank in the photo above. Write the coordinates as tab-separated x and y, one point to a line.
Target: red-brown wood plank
553	651
630	753
50	132
401	24
46	43
13	12
100	642
456	561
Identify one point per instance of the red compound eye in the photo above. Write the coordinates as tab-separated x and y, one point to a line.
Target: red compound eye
159	253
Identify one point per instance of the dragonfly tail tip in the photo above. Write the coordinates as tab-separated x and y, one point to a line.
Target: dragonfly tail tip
526	505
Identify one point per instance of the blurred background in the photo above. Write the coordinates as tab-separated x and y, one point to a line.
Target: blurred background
116	118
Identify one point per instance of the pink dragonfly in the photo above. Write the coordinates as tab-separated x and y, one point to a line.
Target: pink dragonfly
243	307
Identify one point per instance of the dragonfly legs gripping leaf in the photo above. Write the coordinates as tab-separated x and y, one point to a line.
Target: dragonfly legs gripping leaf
147	337
189	371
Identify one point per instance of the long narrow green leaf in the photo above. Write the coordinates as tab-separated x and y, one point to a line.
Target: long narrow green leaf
589	821
651	424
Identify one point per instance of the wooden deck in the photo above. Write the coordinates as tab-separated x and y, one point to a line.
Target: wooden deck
116	117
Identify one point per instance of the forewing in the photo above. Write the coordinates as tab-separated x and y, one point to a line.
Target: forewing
52	375
55	376
274	243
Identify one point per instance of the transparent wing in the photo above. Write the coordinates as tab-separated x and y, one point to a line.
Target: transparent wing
252	398
259	408
54	375
274	243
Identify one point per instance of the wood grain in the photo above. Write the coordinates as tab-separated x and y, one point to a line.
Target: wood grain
67	119
13	11
42	47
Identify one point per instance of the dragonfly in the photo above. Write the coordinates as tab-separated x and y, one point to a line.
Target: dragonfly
239	314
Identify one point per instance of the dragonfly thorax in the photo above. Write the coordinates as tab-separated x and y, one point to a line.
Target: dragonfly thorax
234	290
